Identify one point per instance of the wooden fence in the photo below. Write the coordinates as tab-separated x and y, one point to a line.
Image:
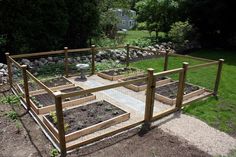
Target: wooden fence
150	93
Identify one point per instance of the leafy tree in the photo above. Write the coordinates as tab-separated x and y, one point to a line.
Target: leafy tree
83	21
158	14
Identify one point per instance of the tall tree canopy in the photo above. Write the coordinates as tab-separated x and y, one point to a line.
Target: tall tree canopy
41	25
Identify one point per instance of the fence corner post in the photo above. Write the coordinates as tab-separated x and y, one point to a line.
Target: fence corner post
150	96
60	122
93	58
9	68
66	61
26	86
181	86
166	60
218	77
127	55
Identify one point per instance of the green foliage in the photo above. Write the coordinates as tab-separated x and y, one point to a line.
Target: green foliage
11	100
54	152
109	64
158	14
141	42
142	26
162	37
181	31
54	116
12	115
36	102
217	113
18	125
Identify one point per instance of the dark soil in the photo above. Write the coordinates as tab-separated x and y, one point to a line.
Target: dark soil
54	82
88	115
29	141
120	71
142	76
47	99
171	90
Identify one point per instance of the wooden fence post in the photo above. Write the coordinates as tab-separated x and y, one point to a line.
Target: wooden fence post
150	96
9	68
60	123
181	86
166	61
26	86
66	61
218	77
127	55
93	59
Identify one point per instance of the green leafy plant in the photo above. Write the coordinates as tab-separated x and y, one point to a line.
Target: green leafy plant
54	116
18	126
12	115
54	152
181	31
66	127
37	103
109	64
11	100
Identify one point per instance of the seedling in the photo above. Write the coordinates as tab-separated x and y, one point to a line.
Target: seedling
37	103
54	152
12	115
11	100
54	116
18	126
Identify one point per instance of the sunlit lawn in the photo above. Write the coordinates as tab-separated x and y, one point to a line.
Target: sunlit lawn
217	113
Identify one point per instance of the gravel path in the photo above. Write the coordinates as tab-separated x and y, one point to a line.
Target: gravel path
198	133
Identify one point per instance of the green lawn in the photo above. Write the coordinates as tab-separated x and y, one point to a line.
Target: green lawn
217	113
137	34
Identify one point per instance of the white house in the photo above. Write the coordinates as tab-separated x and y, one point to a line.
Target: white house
126	18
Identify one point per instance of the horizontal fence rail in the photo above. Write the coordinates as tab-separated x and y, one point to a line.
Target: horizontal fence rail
106	87
191	57
39	83
203	65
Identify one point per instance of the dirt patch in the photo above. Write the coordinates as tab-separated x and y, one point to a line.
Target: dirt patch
142	76
170	90
23	137
121	71
88	115
54	82
46	99
156	143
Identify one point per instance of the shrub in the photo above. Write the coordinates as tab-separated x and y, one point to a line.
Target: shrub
141	42
162	37
181	31
142	26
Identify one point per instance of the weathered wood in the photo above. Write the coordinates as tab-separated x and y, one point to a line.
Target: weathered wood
191	57
38	54
202	65
81	50
218	76
182	79
93	58
26	86
165	73
88	130
9	68
164	113
15	62
96	89
66	61
39	82
150	95
166	61
60	123
127	55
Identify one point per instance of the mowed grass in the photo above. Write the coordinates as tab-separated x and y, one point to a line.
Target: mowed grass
220	113
137	34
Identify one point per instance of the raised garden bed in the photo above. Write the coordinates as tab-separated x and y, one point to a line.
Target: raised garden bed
45	102
115	74
168	93
57	83
140	86
86	119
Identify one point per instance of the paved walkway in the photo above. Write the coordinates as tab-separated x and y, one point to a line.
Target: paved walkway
196	132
